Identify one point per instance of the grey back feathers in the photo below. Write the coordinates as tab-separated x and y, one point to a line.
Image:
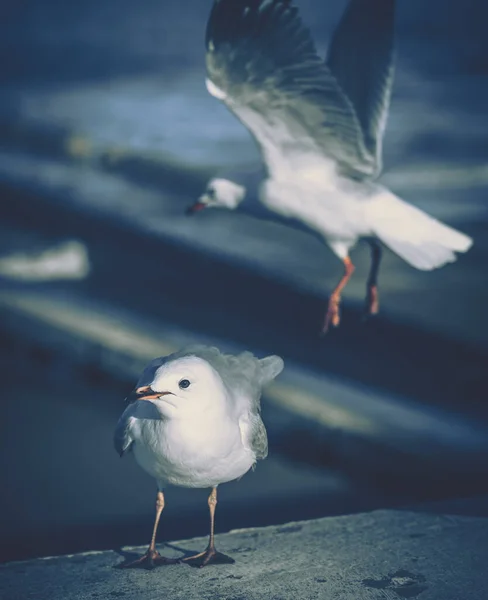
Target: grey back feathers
264	63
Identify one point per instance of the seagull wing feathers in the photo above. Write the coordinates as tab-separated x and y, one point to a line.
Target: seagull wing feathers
262	63
361	57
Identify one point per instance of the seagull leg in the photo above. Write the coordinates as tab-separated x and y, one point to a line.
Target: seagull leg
152	558
372	296
210	555
332	316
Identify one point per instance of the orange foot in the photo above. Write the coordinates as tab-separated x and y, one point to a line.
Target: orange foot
150	560
332	316
210	556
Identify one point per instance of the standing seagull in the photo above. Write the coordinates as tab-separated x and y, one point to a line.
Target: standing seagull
194	421
319	126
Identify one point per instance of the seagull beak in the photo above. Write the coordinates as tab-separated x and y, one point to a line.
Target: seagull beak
198	206
147	393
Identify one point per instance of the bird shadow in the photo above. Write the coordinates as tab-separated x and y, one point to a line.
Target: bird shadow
130	556
185	551
127	556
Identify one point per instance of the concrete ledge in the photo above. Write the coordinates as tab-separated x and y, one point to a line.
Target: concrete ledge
383	554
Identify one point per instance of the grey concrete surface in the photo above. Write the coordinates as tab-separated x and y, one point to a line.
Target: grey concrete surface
379	555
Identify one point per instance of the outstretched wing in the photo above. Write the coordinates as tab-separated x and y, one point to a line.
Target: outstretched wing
361	57
262	63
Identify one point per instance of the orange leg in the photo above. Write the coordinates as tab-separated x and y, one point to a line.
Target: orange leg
152	558
210	555
332	316
372	306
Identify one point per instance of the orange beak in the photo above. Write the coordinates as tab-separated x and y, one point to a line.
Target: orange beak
198	206
147	393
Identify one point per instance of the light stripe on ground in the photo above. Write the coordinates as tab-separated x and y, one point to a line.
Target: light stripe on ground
318	398
117	336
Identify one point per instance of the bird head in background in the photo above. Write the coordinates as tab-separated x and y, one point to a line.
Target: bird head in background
220	193
185	388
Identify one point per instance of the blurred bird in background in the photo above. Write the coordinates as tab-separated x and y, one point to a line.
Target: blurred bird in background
319	126
194	421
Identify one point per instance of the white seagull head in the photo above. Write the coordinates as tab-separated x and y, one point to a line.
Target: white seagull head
220	193
185	388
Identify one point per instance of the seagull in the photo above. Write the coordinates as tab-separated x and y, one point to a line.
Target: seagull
319	126
194	421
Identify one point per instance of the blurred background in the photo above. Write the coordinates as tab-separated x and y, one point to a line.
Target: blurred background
107	134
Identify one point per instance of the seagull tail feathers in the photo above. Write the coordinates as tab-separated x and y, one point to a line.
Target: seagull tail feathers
422	241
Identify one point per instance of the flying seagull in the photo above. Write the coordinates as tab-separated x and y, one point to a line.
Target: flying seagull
319	126
194	421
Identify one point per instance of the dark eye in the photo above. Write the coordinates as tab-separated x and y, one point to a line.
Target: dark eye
184	383
211	192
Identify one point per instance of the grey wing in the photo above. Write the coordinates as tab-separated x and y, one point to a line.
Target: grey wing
253	434
259	438
255	374
361	57
122	435
261	61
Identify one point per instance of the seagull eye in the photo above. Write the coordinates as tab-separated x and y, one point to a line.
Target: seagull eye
184	383
211	192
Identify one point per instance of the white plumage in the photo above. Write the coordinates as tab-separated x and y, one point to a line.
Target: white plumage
195	422
421	240
319	126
